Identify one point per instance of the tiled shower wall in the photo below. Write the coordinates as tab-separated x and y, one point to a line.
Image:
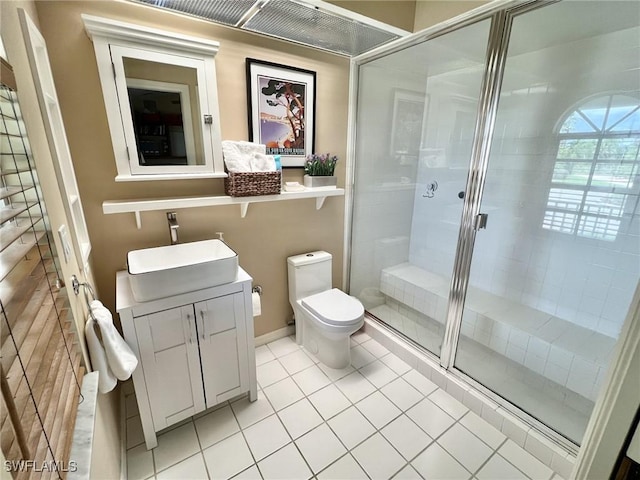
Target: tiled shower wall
585	281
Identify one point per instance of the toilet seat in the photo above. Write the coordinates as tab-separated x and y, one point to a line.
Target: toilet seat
334	307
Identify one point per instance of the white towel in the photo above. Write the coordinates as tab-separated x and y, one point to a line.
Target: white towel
106	379
121	359
237	155
262	163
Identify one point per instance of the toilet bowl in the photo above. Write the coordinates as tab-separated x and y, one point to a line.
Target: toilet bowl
325	317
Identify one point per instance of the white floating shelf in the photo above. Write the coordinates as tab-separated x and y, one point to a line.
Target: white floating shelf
138	206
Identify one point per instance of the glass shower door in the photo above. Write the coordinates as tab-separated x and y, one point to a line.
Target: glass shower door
414	131
553	274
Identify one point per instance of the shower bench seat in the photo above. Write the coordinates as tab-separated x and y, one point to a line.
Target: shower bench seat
564	352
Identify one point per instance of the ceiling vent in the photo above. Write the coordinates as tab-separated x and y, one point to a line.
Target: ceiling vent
313	23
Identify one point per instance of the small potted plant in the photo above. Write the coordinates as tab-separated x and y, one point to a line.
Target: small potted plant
319	170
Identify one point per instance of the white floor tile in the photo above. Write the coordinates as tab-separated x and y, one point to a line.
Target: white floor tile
251	473
335	373
263	355
215	426
300	418
266	437
361	357
378	409
401	393
329	401
420	382
355	386
192	468
497	468
311	380
247	413
486	432
283	393
283	346
396	364
406	437
378	373
345	468
375	348
228	457
465	447
430	418
524	461
435	463
270	373
360	336
139	463
285	464
320	447
296	361
351	427
135	435
408	473
378	458
447	403
175	445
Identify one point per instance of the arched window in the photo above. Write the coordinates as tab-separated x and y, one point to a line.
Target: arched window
596	177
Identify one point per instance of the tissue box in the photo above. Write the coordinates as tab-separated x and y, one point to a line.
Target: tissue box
248	184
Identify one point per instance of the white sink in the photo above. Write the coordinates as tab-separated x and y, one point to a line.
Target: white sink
165	271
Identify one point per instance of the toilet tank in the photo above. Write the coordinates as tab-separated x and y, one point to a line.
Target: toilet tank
309	273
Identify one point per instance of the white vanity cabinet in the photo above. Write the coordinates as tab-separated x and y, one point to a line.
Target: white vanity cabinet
195	350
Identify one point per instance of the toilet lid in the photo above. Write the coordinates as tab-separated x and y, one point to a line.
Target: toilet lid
334	307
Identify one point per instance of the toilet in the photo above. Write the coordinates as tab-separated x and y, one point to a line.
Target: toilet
325	317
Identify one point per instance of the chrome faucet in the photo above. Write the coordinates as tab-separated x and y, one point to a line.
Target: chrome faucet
173	227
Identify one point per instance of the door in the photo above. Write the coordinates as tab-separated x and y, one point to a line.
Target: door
169	350
56	136
223	346
553	273
416	117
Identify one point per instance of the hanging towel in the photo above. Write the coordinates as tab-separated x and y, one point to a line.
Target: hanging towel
106	380
120	358
237	155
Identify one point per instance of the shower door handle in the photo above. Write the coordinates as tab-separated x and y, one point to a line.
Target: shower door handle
480	221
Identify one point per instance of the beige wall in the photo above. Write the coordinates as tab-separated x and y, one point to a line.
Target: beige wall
399	13
430	12
271	231
107	429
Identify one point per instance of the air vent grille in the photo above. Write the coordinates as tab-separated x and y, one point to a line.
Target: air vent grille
288	20
316	28
227	12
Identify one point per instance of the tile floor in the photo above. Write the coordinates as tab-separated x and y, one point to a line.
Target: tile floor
376	419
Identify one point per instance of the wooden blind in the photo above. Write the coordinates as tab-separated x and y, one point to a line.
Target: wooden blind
41	364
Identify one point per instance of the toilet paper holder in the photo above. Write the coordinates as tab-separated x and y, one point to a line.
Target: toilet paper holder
257	289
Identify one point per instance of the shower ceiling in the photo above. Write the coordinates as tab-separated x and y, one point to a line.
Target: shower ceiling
313	23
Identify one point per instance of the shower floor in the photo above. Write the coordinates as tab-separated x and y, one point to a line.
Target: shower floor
532	392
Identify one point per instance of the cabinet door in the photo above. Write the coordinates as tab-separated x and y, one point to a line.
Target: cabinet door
169	351
223	347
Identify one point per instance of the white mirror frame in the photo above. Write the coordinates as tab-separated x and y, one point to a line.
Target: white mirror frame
166	47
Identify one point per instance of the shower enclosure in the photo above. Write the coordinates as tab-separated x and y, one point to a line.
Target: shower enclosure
495	217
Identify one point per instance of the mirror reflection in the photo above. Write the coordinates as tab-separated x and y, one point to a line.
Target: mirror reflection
164	110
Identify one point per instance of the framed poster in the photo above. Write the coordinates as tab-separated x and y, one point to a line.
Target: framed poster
281	109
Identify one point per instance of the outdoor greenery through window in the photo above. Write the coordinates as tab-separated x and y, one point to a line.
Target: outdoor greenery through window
596	173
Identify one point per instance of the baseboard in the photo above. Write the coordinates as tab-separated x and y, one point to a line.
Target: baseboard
275	335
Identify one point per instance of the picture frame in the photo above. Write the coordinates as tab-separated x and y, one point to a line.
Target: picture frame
408	117
281	110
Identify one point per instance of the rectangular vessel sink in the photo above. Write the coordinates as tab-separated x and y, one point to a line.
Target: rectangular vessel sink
165	271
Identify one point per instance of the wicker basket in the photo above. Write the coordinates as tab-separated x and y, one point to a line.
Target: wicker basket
249	184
